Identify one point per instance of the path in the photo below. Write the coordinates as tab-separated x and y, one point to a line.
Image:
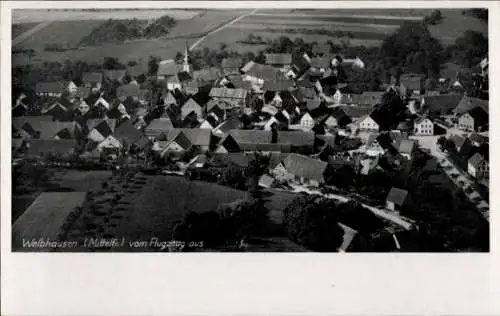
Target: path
193	46
399	220
21	37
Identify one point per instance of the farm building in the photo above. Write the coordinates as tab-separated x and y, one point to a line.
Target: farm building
117	75
231	65
411	85
266	181
473	120
478	167
100	129
257	73
406	147
168	68
92	80
236	97
49	89
43	221
302	169
189	107
468	103
279	60
177	143
423	126
397	199
442	104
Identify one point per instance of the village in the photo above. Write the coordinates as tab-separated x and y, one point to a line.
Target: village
317	136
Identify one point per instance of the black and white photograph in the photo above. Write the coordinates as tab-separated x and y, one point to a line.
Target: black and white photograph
250	130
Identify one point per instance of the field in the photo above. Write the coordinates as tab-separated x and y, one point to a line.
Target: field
365	27
29	15
18	29
44	217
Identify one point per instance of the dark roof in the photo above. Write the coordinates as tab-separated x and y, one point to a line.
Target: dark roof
126	131
381	119
230	144
231	63
468	103
197	136
181	139
207	74
47	128
169	69
321	62
478	138
443	103
397	196
278	59
272	147
239	159
128	90
277	85
158	126
92	77
115	74
313	104
476	159
479	115
411	82
296	138
185	76
251	136
264	72
137	70
303	166
40	146
50	87
238	82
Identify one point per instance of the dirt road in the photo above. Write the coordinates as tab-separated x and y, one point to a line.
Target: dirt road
193	46
21	37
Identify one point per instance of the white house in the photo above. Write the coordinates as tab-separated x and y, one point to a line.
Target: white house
72	87
109	143
307	121
337	97
101	101
423	126
478	167
373	147
368	124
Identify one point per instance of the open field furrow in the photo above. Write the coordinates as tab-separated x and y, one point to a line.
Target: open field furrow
28	15
307	23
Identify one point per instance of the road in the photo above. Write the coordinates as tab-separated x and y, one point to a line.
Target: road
193	46
458	176
21	37
385	214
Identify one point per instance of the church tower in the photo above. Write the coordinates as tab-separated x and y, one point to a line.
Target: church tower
186	66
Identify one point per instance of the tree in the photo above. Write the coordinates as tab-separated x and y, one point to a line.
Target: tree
430	84
434	18
469	49
450	146
152	65
179	57
111	63
441	141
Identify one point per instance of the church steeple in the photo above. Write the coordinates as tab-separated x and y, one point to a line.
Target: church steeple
186	66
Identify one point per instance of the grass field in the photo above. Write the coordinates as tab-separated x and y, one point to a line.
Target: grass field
81	180
66	33
21	28
44	218
41	15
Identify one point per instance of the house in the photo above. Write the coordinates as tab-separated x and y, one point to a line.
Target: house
478	167
397	199
302	169
127	134
236	97
296	139
137	71
367	123
299	66
173	82
199	137
169	99
411	85
72	86
210	122
42	127
353	62
158	126
59	109
81	93
278	85
257	74
100	129
115	75
177	143
321	49
207	75
92	80
468	103
321	63
423	126
49	89
437	105
349	239
373	147
167	69
406	147
266	181
109	144
252	141
463	145
279	60
307	121
231	65
337	118
189	107
473	120
279	120
478	139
